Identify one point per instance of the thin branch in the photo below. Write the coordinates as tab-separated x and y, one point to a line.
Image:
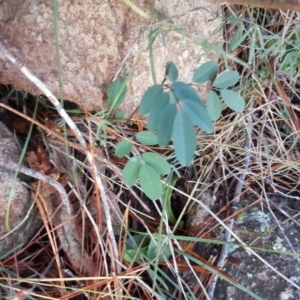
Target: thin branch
6	163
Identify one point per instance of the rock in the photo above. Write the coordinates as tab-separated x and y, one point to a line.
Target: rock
22	219
95	37
257	227
196	214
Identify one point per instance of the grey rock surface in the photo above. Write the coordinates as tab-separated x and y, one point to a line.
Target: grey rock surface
22	217
258	228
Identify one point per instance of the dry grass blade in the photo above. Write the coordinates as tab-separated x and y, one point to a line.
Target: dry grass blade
104	198
64	221
235	203
284	5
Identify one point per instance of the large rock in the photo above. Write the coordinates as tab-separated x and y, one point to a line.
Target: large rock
261	228
95	36
22	220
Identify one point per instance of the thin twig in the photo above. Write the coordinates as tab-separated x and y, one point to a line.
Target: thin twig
235	202
61	139
6	163
78	135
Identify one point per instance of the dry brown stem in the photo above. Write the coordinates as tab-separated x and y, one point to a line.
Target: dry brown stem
274	4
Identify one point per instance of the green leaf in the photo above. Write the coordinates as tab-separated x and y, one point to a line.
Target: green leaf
9	253
157	162
165	124
116	93
213	105
150	182
152	251
233	100
149	96
131	170
135	255
236	40
164	251
137	240
184	91
198	115
193	105
136	248
173	99
226	79
123	148
147	138
234	20
120	115
206	72
184	138
253	46
167	199
172	71
156	109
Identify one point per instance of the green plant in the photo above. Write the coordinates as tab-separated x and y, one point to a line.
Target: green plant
173	109
145	248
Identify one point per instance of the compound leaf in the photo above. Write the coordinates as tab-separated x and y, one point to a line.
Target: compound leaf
157	162
173	99
213	105
165	124
172	71
226	79
198	115
184	138
149	96
205	72
147	138
184	91
123	148
131	170
150	182
233	100
156	109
